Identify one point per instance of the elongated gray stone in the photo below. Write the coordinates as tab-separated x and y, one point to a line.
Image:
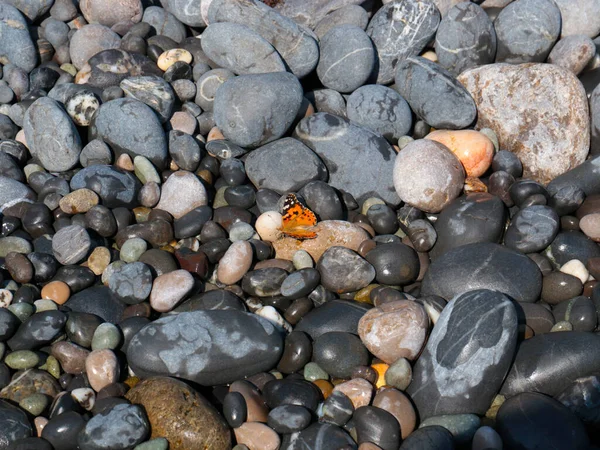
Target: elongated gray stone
400	30
51	135
207	347
240	49
467	356
16	46
310	12
483	266
358	160
296	46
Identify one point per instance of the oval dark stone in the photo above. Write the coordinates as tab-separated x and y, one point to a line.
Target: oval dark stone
337	409
234	409
334	315
338	353
296	353
38	330
395	264
378	426
289	418
15	424
292	392
216	299
318	436
62	431
98	300
433	437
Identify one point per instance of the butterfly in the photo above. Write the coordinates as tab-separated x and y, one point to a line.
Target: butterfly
298	220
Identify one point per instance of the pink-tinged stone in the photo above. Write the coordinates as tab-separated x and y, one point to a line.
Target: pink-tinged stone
257	436
399	406
358	390
181	193
235	262
102	368
71	357
169	289
590	225
184	121
538	111
394	330
255	403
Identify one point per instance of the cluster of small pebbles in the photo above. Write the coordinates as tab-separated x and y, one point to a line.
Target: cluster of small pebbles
153	296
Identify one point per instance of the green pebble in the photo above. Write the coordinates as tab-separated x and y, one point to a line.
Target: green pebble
22	359
302	260
491	136
11	285
45	305
14	244
403	141
562	325
106	336
35	404
144	170
22	310
52	366
132	249
160	443
399	374
312	372
219	200
70	68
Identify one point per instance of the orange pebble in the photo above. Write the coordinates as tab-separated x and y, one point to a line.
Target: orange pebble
57	291
474	149
325	386
381	369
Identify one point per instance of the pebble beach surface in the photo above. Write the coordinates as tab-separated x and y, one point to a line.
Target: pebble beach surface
299	224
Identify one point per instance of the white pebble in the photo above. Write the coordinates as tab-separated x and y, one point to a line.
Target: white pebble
86	397
271	314
268	225
577	269
6	298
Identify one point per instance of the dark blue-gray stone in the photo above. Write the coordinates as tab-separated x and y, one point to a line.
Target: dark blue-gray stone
16	46
310	12
9	167
153	91
8	324
465	38
318	436
8	130
434	94
285	165
347	58
400	30
358	160
526	31
98	300
582	397
32	9
570	245
335	315
130	126
207	347
164	23
131	283
296	46
483	266
215	299
377	426
120	427
532	229
350	14
434	437
13	192
114	186
381	110
595	122
240	49
471	218
252	110
467	355
38	330
15	424
51	135
343	270
535	421
585	176
544	362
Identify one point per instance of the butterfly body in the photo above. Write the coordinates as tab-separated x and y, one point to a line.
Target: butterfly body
298	220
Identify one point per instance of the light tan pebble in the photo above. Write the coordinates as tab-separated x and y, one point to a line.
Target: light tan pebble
149	194
40	422
125	162
169	289
486	438
6	298
214	134
590	225
181	193
257	436
358	390
430	55
183	121
170	57
563	325
577	269
69	68
99	260
268	225
330	233
234	264
20	137
86	397
102	368
79	201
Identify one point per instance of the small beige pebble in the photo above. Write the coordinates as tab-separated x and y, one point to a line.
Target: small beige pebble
99	260
257	436
102	368
125	162
577	269
79	201
235	262
170	57
169	289
590	225
268	225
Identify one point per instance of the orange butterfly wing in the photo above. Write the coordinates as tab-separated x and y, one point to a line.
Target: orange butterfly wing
297	219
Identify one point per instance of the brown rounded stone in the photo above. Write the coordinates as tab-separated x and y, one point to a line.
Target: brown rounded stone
28	382
70	356
57	291
125	162
79	201
19	267
257	436
394	330
102	368
99	260
399	406
255	403
181	415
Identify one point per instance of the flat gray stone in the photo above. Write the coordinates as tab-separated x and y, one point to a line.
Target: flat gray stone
70	244
114	186
579	17
51	135
13	192
165	23
16	46
187	11
207	347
